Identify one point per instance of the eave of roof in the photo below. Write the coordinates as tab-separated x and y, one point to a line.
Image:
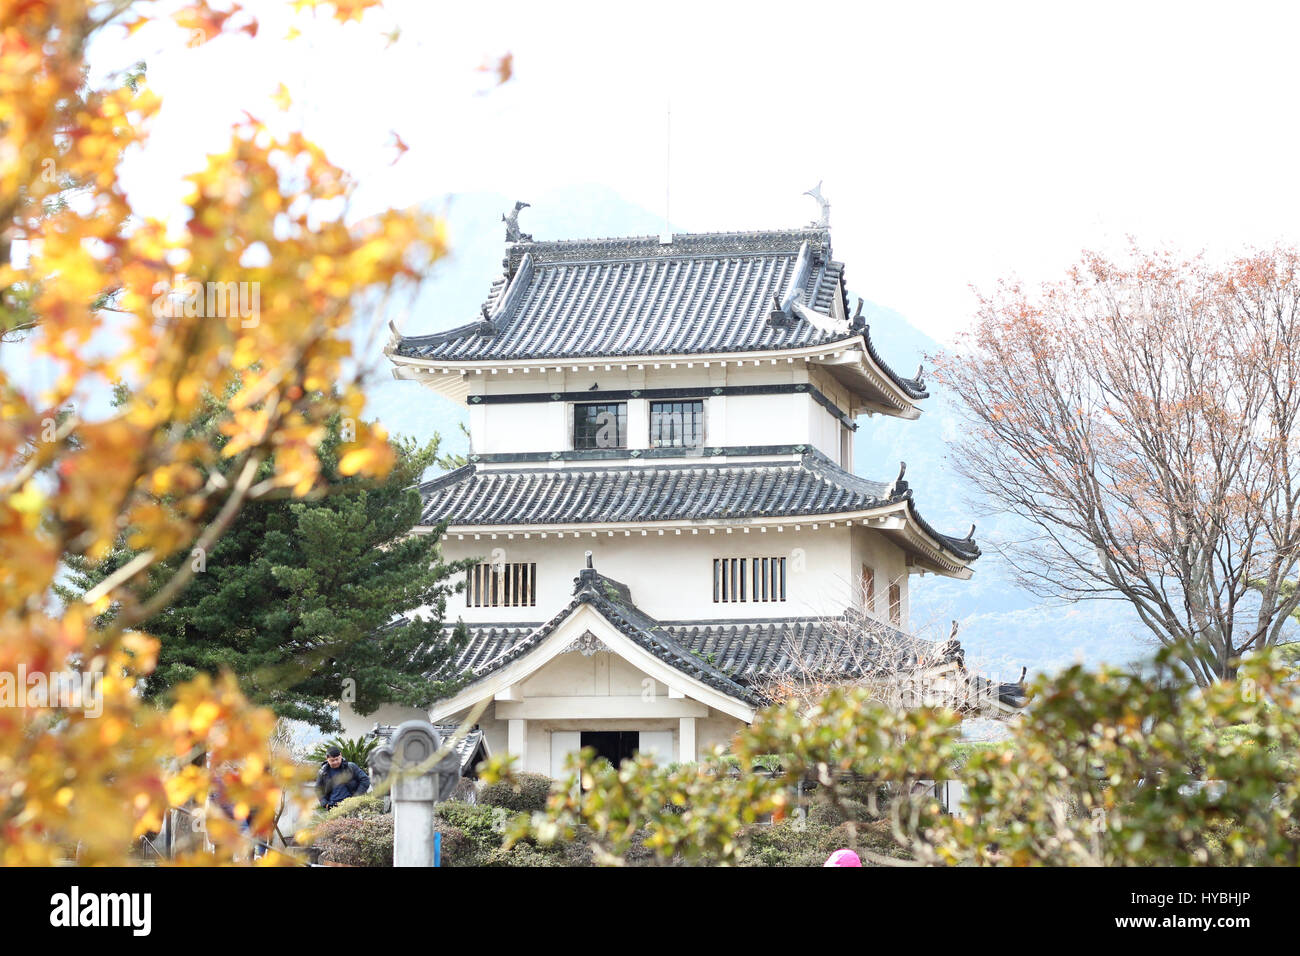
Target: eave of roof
745	659
613	602
532	317
617	496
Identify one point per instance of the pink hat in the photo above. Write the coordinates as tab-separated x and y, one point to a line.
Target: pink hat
843	858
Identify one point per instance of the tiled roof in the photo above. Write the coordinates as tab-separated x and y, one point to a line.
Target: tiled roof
759	650
496	646
469	749
701	294
737	657
747	651
811	485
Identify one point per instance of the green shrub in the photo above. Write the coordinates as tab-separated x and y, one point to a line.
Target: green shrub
829	815
356	840
789	843
860	791
458	848
962	752
875	837
478	821
527	793
363	805
473	834
525	854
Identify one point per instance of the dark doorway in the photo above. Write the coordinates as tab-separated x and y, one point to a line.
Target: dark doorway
614	745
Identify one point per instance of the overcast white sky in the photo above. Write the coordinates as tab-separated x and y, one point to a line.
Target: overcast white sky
958	142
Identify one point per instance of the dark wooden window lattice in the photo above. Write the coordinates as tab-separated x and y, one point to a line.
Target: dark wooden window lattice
748	579
676	424
600	425
501	585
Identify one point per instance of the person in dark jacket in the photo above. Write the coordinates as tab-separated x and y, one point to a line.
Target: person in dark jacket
339	779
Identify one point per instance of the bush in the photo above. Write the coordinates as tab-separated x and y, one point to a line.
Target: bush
829	815
527	793
875	837
790	843
478	821
473	834
524	854
363	805
457	846
356	840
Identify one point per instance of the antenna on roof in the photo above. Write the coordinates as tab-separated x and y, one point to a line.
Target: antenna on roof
666	237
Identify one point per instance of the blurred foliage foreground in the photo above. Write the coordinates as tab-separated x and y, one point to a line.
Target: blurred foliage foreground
1107	768
95	291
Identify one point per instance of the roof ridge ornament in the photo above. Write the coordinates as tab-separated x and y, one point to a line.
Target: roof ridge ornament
778	318
511	219
899	486
824	220
858	323
783	312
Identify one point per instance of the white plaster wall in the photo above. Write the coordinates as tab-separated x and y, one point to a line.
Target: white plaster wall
601	674
877	551
766	420
671	575
524	427
597	675
731	420
823	430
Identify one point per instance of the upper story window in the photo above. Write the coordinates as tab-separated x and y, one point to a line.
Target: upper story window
748	579
501	585
676	424
600	425
869	588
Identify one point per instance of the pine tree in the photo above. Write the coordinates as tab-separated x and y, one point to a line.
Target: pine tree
313	602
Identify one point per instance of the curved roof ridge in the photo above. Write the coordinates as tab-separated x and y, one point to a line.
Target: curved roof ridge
811	486
915	388
613	601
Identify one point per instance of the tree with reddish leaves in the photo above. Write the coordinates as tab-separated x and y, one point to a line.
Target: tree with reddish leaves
1140	416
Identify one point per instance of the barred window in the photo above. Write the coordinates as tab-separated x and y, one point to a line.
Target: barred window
748	579
895	605
600	425
676	424
501	585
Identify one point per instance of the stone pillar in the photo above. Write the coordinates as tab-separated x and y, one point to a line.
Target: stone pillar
418	784
686	751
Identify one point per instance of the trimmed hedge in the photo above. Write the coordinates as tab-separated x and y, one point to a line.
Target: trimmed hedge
359	833
356	840
472	835
806	843
365	805
527	794
829	815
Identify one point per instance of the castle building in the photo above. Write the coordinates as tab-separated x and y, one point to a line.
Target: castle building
660	492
